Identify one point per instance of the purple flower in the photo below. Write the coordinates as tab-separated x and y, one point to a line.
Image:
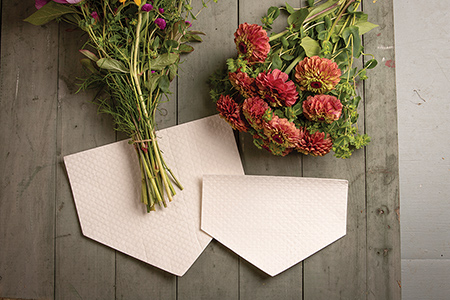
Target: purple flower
161	10
147	7
188	24
95	15
40	3
161	23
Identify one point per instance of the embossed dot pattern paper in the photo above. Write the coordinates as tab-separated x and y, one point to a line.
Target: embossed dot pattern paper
274	222
105	183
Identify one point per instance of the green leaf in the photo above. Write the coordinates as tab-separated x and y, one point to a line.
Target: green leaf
186	48
287	57
322	35
49	12
365	27
328	22
356	100
297	18
164	84
172	72
284	42
341	141
155	44
311	46
289	9
294	63
112	65
163	61
371	64
353	31
298	108
310	3
327	47
87	63
318	11
277	63
171	44
194	38
152	82
273	12
89	54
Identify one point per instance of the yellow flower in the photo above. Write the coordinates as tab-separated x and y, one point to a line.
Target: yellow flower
138	2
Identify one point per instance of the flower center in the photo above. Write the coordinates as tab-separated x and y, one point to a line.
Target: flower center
316	85
277	138
242	48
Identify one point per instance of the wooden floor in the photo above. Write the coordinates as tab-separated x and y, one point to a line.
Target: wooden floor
43	254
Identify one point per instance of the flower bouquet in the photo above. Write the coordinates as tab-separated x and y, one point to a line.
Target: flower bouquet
296	90
132	54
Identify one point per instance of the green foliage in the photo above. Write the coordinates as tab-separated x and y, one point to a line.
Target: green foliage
112	65
132	60
331	30
50	12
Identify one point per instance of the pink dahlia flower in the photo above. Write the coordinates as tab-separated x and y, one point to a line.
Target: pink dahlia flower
254	110
282	132
315	144
276	88
230	111
318	75
252	42
324	108
243	83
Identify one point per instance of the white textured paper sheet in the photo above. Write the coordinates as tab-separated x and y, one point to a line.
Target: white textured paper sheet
106	186
274	222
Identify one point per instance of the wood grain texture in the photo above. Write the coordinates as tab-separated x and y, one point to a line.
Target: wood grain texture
84	268
382	183
329	271
43	254
28	98
218	21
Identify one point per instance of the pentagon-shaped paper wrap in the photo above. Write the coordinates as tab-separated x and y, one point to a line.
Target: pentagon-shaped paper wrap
105	183
274	222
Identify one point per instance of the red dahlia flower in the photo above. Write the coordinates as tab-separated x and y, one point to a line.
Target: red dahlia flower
230	111
315	144
252	42
254	110
318	75
282	132
243	83
325	108
276	88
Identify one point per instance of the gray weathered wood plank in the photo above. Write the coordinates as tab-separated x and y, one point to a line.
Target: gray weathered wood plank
84	268
43	254
27	149
383	220
338	271
218	22
138	280
215	273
